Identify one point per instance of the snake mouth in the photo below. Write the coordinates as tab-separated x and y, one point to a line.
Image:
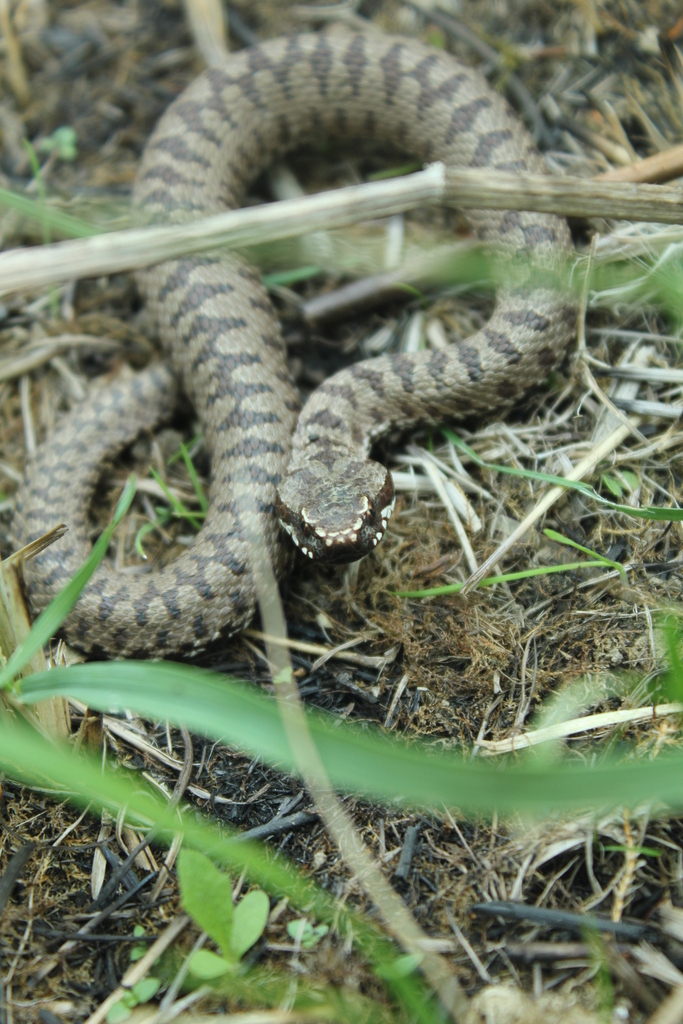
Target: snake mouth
339	523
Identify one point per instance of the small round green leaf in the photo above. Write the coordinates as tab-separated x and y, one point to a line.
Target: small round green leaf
206	965
146	988
249	919
317	933
303	932
118	1013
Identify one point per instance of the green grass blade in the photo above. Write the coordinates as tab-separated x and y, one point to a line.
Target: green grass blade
559	538
63	223
652	512
527	474
394	172
190	445
177	505
192	473
40	186
543	570
285	278
140	536
49	621
358	760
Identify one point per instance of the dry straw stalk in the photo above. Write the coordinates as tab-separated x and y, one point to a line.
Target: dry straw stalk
140	247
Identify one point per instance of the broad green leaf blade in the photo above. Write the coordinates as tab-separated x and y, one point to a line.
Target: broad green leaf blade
673	680
248	921
206	895
297	929
404	966
303	932
613	485
358	760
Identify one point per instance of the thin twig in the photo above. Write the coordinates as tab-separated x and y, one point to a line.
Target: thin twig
367	660
566	196
658	168
398	920
181	785
205	19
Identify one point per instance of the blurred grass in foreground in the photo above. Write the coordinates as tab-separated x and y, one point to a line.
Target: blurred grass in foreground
363	761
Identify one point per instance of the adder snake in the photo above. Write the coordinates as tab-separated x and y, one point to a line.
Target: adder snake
225	349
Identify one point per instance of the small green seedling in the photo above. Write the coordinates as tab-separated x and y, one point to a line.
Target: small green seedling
206	894
140	993
140	948
303	932
612	485
646	851
145	990
177	509
63	142
402	967
625	483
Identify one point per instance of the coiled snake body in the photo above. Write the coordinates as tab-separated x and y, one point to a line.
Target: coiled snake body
225	348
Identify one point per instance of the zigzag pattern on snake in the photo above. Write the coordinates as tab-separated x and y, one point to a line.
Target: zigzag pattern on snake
225	349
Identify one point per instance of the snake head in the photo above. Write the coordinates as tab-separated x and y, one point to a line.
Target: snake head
336	510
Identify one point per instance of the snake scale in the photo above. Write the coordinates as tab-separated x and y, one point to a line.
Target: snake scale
225	350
